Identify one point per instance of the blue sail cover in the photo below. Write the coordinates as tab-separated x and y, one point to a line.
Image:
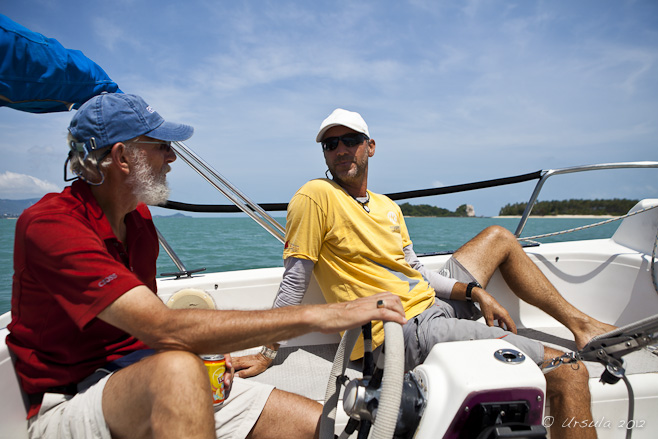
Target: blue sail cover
39	75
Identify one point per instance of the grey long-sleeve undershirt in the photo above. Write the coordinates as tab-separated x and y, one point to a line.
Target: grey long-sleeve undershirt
297	276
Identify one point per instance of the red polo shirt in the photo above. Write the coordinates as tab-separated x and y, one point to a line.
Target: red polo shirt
68	267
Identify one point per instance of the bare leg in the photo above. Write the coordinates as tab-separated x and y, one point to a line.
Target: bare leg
165	395
567	388
287	415
495	247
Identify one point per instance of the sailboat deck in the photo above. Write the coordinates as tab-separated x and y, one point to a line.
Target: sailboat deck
305	369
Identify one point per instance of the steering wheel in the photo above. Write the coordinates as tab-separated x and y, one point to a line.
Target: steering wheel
392	380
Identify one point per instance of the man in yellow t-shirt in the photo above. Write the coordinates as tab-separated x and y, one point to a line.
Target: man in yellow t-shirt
356	244
355	253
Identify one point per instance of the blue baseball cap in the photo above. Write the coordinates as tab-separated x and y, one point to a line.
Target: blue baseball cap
109	118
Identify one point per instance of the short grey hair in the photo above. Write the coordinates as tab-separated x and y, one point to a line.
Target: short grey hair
89	166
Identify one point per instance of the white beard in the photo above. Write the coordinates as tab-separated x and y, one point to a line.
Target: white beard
148	186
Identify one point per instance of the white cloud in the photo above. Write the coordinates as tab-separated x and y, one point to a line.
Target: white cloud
13	185
114	36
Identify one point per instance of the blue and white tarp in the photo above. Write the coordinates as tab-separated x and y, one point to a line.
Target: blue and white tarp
39	75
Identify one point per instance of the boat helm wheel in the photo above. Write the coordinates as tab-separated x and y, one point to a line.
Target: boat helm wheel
390	397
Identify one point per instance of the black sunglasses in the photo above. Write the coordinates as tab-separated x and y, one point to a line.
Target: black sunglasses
349	140
162	145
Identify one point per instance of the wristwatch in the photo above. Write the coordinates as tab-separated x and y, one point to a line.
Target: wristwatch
469	289
268	353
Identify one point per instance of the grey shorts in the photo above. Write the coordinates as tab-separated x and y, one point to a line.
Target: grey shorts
81	416
449	320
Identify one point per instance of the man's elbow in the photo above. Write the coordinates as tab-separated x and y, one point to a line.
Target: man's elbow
165	333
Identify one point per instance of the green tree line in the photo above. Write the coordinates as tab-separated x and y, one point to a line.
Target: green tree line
427	210
612	207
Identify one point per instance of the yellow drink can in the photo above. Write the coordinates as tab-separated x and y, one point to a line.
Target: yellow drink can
216	365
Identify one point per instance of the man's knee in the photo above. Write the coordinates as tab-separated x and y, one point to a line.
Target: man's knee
179	368
157	392
571	379
176	360
499	233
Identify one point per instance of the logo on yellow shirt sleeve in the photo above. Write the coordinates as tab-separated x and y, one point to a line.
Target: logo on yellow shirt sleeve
290	247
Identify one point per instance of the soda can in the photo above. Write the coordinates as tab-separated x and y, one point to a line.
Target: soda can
216	365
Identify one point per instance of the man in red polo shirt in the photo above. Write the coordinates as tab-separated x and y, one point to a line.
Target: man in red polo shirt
97	352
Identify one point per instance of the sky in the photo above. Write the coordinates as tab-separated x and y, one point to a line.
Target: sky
452	91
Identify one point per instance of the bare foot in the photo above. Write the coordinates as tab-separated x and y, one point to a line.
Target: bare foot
592	330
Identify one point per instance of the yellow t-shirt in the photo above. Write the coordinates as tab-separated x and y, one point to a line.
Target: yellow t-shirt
356	253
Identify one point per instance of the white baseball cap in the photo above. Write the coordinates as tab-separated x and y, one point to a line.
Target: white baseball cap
349	119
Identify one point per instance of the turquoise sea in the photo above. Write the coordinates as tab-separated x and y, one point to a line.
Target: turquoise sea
224	244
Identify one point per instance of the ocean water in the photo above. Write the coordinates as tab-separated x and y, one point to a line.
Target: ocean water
224	244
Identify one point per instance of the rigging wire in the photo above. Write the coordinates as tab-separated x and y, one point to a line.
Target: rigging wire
589	226
631	406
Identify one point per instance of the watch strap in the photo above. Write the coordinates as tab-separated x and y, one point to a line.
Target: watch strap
268	353
469	290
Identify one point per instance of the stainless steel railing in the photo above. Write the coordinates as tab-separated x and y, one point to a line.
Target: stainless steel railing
231	192
552	172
